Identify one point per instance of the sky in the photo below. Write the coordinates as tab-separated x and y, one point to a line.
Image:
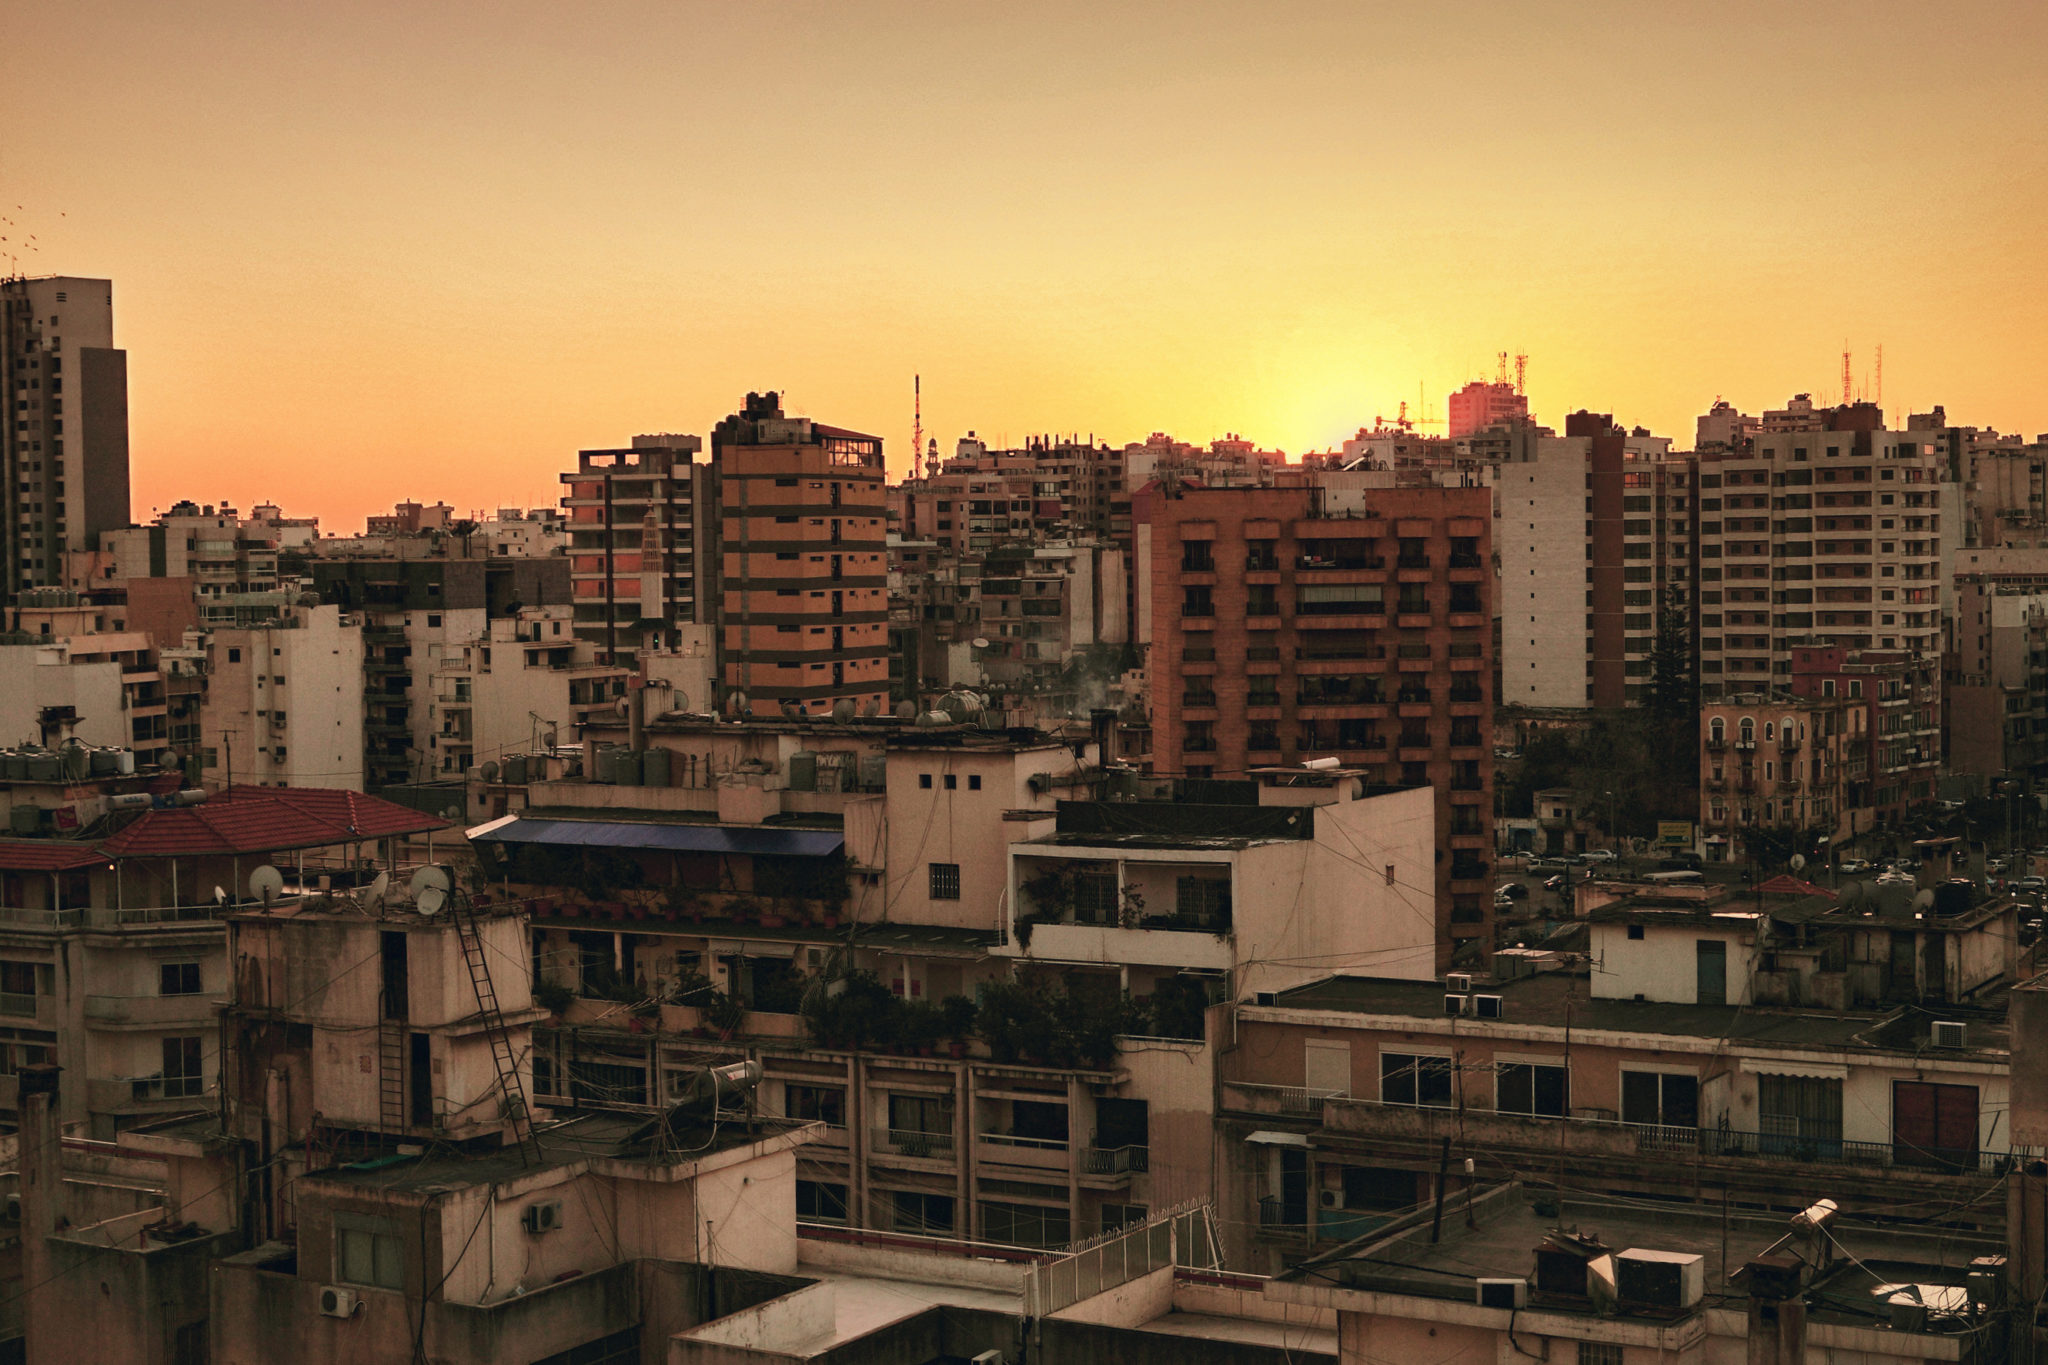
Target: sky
370	251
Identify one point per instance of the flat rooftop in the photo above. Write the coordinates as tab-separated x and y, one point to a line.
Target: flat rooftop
1504	1229
1544	999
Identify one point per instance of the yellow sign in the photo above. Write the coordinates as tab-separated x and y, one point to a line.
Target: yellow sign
1674	833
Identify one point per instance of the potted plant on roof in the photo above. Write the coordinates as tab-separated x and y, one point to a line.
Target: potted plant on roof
725	1013
957	1013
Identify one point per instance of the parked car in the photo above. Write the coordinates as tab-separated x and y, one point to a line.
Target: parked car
1599	855
1683	860
1514	891
1555	883
1852	867
1545	864
2031	884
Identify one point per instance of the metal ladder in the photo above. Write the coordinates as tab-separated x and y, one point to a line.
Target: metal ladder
509	1084
391	1043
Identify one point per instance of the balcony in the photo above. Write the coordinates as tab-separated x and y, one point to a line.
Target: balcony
912	1143
1591	1135
1278	1215
121	1093
1009	1149
1115	1161
150	1011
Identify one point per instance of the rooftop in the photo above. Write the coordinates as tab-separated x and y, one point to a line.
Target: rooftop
1553	999
1497	1235
266	819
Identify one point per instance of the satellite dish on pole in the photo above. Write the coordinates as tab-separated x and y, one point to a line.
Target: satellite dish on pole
1798	862
374	896
266	883
430	901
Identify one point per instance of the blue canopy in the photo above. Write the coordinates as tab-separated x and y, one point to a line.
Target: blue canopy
748	839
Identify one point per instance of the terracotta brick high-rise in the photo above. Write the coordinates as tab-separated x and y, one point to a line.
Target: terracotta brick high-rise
1282	632
804	598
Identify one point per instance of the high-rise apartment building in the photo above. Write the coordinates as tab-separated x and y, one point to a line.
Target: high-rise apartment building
1823	533
638	541
1580	614
803	606
1284	632
1480	405
64	451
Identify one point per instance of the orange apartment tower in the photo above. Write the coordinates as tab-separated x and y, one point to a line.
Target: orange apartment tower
803	616
1284	631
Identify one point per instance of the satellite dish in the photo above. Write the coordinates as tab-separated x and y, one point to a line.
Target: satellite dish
220	896
1923	902
906	710
1798	862
452	813
432	877
374	897
872	709
678	700
979	642
548	739
490	771
736	704
842	710
430	901
265	883
790	709
622	707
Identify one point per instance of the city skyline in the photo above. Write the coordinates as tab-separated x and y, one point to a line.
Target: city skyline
351	266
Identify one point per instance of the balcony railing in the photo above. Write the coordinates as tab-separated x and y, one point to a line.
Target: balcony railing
910	1142
1278	1215
1116	1160
18	1005
1642	1139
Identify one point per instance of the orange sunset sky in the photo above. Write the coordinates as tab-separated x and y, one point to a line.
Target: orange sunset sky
365	251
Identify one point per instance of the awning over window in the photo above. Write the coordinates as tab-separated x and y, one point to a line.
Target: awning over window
1766	1066
1266	1137
747	839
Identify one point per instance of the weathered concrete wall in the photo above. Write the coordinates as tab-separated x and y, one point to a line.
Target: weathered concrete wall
1130	1304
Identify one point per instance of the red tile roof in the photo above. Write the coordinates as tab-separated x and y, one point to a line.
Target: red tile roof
46	855
1785	884
266	819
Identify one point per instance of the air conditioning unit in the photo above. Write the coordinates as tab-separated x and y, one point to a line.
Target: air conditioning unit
1487	1006
1659	1279
1458	981
541	1217
1949	1033
1503	1293
336	1302
1457	1004
1331	1199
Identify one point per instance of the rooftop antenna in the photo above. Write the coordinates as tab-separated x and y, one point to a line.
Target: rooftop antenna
1500	374
1880	375
1847	381
1522	373
917	451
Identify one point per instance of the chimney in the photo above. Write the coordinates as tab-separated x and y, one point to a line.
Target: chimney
1102	720
42	1206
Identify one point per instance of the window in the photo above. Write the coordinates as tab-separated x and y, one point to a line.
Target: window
234	656
818	1103
1203	900
1599	1353
924	781
1095	899
916	1212
974	782
1024	1224
178	978
820	1201
182	1075
1532	1088
952	782
945	881
1406	1078
1665	1100
1799	1115
367	1251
